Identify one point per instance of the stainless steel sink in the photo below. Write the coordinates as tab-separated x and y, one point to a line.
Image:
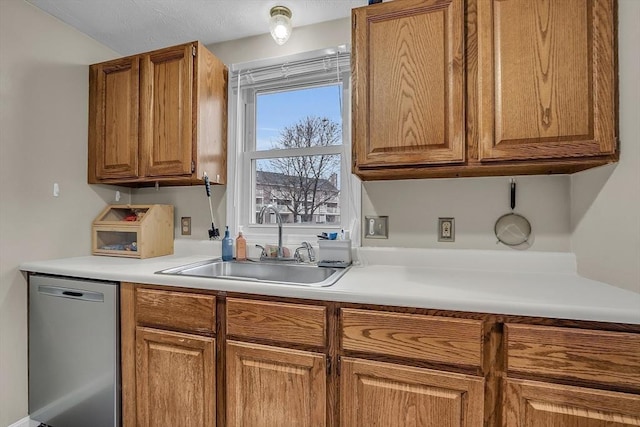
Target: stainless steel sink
265	272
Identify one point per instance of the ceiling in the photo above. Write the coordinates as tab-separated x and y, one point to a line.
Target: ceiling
134	26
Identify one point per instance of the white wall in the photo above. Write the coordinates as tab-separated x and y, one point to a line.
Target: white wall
188	202
413	207
303	39
43	139
605	204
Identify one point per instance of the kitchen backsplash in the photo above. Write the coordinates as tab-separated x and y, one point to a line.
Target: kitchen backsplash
413	208
188	202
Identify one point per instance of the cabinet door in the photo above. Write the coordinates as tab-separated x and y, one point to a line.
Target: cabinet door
534	404
389	395
546	78
274	387
166	112
113	119
408	93
175	379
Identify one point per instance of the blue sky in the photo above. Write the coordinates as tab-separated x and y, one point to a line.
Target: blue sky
276	110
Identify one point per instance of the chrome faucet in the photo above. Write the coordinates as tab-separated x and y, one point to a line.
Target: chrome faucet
278	220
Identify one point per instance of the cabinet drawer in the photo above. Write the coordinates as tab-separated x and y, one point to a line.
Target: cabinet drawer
176	310
274	321
437	339
595	356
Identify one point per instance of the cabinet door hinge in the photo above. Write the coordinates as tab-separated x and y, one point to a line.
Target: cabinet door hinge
193	166
338	366
328	365
193	50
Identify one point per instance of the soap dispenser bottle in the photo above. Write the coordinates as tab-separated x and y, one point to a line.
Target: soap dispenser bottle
227	246
241	247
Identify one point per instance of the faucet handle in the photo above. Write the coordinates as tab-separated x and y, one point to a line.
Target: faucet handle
310	252
263	254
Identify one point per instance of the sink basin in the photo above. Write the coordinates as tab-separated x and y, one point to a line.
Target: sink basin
266	272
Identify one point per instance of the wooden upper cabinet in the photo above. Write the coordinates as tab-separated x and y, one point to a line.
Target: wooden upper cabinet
408	92
114	93
166	113
160	116
449	88
546	73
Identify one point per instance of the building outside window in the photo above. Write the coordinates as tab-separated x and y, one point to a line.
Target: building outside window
316	207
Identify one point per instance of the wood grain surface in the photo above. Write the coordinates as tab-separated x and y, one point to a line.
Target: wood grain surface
166	111
540	90
159	116
547	79
274	387
175	378
437	339
389	395
595	356
114	102
530	403
178	311
281	322
408	103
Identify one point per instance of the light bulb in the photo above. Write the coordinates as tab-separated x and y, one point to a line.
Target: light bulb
280	24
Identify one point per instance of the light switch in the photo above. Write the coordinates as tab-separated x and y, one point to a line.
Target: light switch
376	227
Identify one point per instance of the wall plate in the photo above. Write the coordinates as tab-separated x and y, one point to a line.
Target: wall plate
446	230
376	227
185	226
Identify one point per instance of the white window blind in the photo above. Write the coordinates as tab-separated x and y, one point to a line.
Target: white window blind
323	66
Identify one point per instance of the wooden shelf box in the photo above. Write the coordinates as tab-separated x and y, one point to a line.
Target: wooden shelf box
134	231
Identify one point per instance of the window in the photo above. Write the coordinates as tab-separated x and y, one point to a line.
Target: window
290	146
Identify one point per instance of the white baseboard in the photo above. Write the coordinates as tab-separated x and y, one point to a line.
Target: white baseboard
25	422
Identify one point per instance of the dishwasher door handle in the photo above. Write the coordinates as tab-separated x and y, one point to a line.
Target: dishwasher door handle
79	294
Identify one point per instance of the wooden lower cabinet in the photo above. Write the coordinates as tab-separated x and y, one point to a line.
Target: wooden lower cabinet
390	395
537	404
175	379
264	363
274	387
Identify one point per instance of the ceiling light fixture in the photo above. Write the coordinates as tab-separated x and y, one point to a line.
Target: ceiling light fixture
280	24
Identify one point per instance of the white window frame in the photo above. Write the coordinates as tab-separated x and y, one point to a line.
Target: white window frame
291	72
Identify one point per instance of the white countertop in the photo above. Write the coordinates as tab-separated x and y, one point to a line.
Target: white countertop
518	283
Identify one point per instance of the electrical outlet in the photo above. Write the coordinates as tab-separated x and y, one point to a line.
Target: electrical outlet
185	225
446	230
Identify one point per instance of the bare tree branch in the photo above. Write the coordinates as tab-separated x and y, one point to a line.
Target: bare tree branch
305	182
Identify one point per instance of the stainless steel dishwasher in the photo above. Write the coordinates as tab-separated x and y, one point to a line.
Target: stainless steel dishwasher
74	356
